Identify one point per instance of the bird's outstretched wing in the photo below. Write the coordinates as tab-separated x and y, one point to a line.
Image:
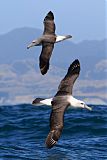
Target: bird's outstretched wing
44	58
49	25
66	85
56	121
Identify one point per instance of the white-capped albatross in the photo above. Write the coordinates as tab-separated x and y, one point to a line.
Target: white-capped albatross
60	103
47	41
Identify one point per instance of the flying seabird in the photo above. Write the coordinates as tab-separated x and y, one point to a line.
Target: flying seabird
47	41
60	103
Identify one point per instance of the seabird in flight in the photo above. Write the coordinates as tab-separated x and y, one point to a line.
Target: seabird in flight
60	103
47	41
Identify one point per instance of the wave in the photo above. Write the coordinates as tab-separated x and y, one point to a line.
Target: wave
23	129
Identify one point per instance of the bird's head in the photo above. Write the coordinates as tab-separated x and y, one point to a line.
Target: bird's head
33	43
82	104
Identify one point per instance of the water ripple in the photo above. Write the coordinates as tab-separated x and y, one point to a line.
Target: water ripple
23	129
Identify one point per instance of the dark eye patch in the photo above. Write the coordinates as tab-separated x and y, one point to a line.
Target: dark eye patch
82	103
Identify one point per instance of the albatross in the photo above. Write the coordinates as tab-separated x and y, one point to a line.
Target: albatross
47	41
60	103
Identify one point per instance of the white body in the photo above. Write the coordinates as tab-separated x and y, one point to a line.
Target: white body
75	103
70	99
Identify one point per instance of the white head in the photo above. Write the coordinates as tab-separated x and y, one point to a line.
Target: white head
77	103
81	104
34	43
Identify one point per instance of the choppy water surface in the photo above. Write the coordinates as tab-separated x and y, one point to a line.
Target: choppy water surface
23	129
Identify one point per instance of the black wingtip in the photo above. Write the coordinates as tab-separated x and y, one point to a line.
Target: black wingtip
76	61
49	16
44	69
74	67
43	72
50	12
50	142
44	66
37	101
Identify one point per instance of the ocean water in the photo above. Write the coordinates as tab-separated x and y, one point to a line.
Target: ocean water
23	129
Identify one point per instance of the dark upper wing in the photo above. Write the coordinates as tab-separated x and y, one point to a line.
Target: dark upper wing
56	121
66	85
44	58
49	25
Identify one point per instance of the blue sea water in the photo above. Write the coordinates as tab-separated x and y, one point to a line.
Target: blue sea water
23	129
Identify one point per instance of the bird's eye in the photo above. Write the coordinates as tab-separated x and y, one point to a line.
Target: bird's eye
33	41
82	103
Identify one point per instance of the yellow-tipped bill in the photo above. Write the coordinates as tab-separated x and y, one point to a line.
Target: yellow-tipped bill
87	107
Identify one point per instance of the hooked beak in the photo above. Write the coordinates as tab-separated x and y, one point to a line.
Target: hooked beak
87	107
30	45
